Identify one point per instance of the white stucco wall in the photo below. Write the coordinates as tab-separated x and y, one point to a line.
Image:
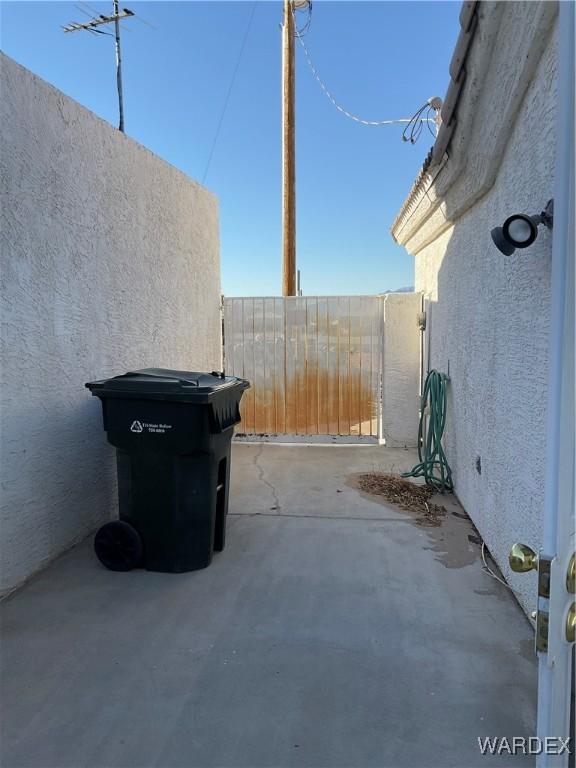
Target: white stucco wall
401	369
488	314
110	261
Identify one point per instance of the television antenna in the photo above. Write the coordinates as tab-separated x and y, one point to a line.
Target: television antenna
93	25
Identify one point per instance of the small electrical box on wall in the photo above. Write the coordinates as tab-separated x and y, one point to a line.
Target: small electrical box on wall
421	317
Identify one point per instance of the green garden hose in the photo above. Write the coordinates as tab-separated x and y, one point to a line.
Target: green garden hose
433	466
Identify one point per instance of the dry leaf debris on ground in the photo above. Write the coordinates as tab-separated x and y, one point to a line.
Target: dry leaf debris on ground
403	494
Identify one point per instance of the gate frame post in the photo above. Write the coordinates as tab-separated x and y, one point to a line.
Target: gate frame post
380	394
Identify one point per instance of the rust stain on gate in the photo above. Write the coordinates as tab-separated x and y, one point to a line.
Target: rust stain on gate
314	363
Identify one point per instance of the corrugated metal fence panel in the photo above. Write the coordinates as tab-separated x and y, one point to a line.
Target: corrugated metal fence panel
314	363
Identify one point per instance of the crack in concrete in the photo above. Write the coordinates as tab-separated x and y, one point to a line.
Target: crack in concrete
324	517
264	481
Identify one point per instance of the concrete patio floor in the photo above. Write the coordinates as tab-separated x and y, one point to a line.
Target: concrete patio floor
332	631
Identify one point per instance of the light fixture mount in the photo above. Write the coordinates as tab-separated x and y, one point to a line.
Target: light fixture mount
547	215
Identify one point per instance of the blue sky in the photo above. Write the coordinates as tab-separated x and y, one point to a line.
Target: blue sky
380	59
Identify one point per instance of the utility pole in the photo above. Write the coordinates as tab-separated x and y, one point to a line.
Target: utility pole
288	154
92	26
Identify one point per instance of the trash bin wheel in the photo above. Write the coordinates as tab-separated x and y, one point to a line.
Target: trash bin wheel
118	546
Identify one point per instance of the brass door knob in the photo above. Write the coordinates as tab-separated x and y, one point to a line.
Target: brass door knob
571	624
571	575
522	558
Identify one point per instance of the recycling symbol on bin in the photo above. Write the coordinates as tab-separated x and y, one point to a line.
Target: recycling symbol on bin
136	427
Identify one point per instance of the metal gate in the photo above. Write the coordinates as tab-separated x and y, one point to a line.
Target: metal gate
314	363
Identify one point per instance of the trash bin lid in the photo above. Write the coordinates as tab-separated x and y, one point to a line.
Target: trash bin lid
165	383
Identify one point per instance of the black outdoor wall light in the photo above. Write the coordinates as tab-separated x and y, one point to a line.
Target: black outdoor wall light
520	230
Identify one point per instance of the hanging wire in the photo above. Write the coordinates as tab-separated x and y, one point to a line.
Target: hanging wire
230	87
92	10
306	26
433	117
145	22
416	123
490	572
82	10
100	32
417	117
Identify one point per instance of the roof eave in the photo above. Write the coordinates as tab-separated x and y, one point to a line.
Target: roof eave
438	154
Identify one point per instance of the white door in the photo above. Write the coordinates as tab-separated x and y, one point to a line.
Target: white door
555	618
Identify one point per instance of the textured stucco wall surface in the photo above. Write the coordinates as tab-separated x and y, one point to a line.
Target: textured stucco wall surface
110	261
401	369
488	321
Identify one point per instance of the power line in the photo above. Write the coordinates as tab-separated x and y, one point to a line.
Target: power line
82	10
146	23
344	111
90	8
230	87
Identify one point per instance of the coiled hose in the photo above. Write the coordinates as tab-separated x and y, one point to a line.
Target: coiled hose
433	466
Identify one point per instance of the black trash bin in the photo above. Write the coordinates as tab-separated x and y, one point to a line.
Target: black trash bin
172	432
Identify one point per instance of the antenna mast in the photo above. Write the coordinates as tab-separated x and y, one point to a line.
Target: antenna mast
118	66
